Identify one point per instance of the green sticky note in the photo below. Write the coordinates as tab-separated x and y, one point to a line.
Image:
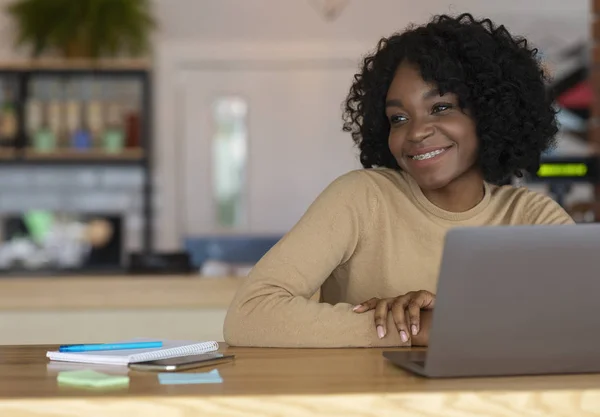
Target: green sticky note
89	378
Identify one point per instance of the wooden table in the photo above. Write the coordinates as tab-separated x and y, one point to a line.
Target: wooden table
292	382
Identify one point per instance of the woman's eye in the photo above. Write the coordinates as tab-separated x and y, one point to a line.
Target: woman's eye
396	119
441	107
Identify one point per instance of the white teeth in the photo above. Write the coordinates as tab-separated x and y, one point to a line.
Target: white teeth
427	155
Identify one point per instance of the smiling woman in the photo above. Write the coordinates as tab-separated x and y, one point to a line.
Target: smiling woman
441	113
431	138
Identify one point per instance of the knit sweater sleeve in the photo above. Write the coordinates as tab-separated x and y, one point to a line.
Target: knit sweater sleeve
541	209
273	308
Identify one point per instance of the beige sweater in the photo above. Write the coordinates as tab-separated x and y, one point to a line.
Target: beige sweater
371	233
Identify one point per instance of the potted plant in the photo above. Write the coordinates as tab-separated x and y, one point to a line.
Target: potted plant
83	28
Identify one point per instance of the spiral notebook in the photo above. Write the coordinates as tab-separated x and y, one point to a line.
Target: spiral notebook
170	349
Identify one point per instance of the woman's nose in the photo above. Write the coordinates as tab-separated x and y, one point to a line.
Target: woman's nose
420	130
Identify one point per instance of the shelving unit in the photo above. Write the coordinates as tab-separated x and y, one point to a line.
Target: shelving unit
24	153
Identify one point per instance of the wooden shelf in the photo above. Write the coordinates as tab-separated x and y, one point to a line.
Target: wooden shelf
76	64
128	154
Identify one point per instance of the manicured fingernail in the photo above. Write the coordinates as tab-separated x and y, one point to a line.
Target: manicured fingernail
356	307
403	336
414	329
380	332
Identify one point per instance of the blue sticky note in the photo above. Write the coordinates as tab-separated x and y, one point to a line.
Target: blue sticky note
212	377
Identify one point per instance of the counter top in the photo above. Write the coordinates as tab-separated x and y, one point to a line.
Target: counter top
291	382
115	292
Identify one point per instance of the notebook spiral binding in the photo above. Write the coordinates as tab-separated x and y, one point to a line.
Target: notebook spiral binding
195	349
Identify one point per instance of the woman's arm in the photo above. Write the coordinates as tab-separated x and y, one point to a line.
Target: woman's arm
273	307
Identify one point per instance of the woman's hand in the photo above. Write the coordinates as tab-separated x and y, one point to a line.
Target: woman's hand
409	304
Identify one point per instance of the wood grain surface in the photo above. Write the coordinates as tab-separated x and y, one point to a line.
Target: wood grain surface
292	382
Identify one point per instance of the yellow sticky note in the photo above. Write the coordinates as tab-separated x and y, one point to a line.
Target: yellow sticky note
89	378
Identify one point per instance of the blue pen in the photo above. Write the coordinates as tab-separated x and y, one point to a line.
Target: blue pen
109	346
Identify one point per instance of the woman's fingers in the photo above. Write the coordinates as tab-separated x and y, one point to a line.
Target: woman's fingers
406	312
381	312
366	306
426	300
399	314
381	308
413	311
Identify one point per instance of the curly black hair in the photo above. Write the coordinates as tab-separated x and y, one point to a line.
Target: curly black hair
498	78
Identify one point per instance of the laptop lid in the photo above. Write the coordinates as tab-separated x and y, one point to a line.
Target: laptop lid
517	300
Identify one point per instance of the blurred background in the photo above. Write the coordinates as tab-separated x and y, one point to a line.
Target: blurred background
152	151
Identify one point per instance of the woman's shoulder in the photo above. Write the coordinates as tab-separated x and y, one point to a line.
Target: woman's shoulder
380	179
364	189
519	194
531	206
378	186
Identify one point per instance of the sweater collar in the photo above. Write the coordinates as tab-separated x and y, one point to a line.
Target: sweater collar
444	214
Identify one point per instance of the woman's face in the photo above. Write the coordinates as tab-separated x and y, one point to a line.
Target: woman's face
431	138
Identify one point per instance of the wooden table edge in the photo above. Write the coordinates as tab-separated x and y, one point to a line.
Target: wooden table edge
552	402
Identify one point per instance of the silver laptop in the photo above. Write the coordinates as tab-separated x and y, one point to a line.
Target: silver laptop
514	300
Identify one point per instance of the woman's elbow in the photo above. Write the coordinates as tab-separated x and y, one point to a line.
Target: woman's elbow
232	328
240	327
246	321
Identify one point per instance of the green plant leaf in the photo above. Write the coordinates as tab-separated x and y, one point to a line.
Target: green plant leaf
95	27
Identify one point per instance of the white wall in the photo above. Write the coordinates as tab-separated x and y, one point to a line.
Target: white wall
361	20
230	25
548	23
295	144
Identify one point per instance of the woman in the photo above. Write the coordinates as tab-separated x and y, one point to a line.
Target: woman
443	114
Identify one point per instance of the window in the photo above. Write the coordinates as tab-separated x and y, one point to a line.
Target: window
229	161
